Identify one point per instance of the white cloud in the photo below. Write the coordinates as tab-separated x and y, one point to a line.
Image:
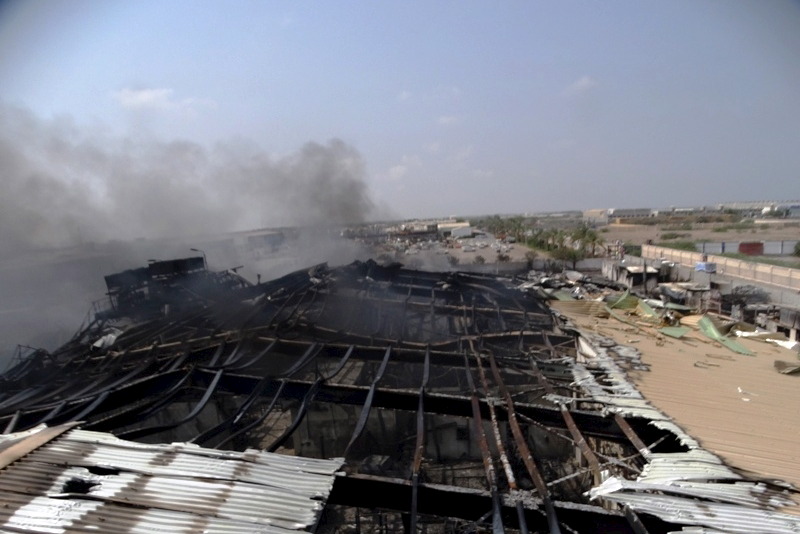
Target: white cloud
158	99
144	98
401	170
404	95
434	147
447	120
580	86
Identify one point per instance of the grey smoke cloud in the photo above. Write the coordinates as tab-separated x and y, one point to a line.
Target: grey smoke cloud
63	185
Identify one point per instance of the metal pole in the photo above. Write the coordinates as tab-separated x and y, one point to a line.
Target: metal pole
205	259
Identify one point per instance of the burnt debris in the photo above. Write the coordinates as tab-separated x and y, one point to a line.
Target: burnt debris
449	396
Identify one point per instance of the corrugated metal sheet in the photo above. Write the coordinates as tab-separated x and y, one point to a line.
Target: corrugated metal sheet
56	516
696	464
643	309
675	331
750	494
696	530
730	518
591	308
89	480
710	330
626	301
639	269
691	320
739	406
562	295
694	487
15	446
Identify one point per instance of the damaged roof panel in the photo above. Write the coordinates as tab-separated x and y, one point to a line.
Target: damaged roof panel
730	518
452	400
733	410
82	474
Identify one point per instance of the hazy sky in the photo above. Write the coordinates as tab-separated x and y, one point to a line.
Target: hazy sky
452	107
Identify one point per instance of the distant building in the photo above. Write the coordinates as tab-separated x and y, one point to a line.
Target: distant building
454	229
596	217
462	231
631	213
685	211
757	206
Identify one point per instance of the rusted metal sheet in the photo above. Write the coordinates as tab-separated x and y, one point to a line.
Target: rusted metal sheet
15	446
96	479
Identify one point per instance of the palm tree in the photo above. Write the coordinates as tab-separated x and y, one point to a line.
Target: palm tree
494	224
515	227
537	239
568	254
559	239
580	234
550	237
594	240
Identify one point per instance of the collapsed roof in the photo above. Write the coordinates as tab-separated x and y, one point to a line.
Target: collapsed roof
456	402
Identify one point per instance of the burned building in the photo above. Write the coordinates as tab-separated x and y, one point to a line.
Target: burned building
394	400
179	284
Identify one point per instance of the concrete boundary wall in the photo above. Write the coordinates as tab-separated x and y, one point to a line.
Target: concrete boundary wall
771	248
782	277
521	267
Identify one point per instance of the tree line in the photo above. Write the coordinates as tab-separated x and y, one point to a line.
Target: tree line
567	245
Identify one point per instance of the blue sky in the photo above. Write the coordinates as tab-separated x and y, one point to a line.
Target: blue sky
453	107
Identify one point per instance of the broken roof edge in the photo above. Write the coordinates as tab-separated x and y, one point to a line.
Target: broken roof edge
629	401
190	487
665	473
15	446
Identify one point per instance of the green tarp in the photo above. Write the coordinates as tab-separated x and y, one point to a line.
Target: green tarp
643	309
678	307
675	331
560	294
708	327
626	301
621	319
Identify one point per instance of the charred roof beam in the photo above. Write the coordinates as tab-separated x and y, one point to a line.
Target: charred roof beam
375	492
592	423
